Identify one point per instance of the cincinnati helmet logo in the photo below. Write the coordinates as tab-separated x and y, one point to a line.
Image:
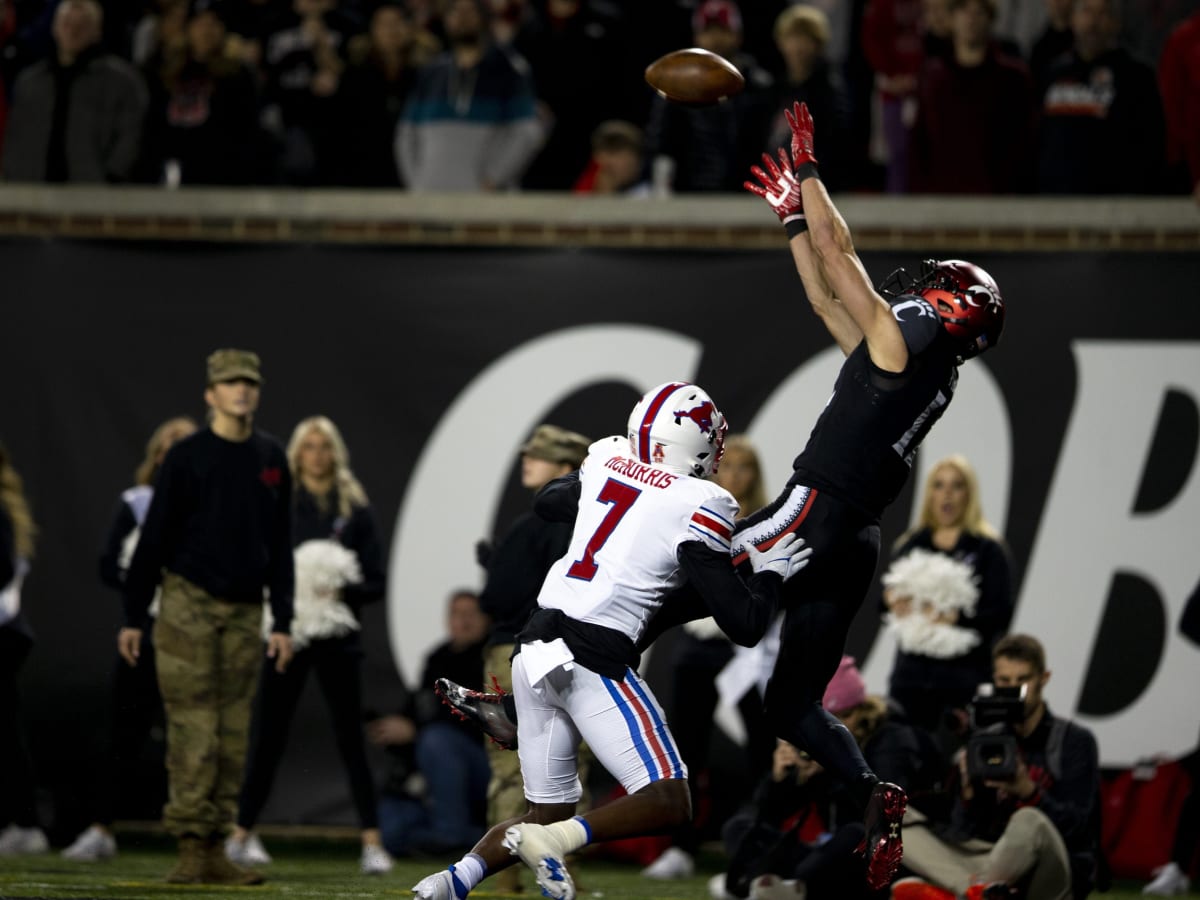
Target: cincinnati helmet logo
980	295
659	453
702	415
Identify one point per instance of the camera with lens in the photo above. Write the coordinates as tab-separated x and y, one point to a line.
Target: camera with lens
992	744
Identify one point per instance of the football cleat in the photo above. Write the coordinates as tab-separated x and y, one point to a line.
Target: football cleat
494	712
882	845
538	850
443	885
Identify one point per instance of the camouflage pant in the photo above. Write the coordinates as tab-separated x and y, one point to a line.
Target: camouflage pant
506	790
208	661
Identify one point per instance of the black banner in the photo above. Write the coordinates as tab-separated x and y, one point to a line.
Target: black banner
436	363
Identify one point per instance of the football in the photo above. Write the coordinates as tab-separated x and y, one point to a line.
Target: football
694	77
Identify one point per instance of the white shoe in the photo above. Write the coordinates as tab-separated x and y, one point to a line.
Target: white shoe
92	845
443	885
247	852
17	841
375	860
674	863
540	851
717	889
772	887
1170	881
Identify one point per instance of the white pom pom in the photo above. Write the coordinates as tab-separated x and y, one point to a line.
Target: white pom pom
933	579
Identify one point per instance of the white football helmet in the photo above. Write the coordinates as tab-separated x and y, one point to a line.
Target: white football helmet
676	425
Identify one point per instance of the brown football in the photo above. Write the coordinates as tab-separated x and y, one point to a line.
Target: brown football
695	77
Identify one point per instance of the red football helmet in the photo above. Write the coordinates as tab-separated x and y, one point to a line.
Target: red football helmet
964	295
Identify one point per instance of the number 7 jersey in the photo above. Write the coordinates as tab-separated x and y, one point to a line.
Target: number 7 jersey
632	519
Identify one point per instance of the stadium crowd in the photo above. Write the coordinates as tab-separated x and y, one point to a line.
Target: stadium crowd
921	96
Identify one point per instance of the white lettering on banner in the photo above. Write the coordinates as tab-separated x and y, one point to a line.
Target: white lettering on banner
473	448
1088	533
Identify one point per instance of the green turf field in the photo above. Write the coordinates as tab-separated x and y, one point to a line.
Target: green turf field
310	869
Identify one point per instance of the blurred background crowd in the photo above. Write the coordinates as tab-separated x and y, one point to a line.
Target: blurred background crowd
920	96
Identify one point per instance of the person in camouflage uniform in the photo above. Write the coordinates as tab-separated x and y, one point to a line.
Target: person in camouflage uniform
217	533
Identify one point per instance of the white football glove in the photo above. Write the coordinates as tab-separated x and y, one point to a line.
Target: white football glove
787	557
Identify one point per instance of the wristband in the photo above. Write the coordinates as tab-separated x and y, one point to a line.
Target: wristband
795	224
806	170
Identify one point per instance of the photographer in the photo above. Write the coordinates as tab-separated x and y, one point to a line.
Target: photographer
1033	831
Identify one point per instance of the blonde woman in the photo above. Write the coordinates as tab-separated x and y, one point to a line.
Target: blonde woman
329	506
21	833
137	702
951	522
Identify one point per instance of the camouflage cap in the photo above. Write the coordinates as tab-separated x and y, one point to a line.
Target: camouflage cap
228	364
554	444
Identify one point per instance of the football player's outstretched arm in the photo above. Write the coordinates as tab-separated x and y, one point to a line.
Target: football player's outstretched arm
837	260
777	185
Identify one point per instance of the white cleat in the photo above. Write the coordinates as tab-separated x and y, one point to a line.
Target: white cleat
441	885
1171	881
248	852
18	841
540	852
92	845
673	863
375	860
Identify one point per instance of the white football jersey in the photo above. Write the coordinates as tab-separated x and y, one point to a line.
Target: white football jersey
632	518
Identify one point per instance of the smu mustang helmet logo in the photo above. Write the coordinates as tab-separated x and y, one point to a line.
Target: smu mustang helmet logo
702	415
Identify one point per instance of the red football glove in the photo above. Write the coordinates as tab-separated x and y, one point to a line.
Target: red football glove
802	135
779	188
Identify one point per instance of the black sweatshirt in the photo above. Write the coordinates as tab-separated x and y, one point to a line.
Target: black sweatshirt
355	532
221	518
516	570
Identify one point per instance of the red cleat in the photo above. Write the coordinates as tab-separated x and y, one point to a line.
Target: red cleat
882	845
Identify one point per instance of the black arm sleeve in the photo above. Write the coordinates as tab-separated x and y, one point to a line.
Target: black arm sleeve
684	604
994	610
8	549
743	609
282	573
363	539
1068	802
123	522
159	529
558	501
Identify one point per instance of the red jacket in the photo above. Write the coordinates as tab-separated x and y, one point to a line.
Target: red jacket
1179	83
891	36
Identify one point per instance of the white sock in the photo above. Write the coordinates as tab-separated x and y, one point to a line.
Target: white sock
570	834
468	872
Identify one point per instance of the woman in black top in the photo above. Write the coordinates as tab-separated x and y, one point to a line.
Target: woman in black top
329	506
952	522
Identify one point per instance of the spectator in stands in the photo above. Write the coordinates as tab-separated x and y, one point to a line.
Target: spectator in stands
8	25
21	834
618	157
974	128
801	35
1179	81
448	753
162	27
137	704
516	568
339	568
1102	129
470	122
77	116
1037	828
892	40
1055	40
583	75
303	59
373	89
203	121
710	148
951	522
937	29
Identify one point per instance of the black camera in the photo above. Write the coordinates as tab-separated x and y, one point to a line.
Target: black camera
992	745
